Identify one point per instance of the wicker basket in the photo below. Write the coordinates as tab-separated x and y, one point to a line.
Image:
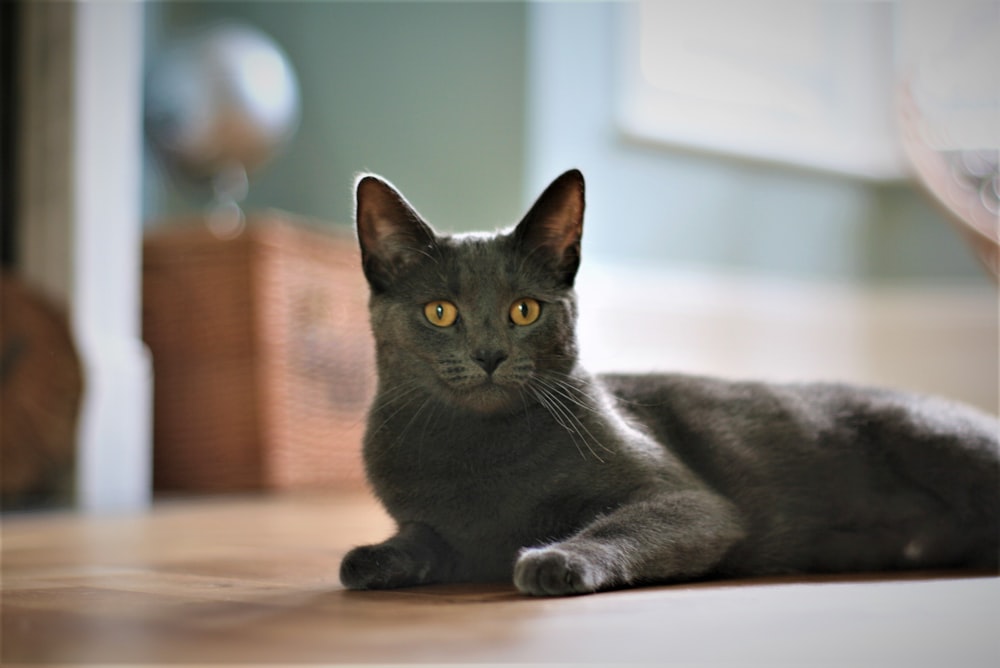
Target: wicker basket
262	356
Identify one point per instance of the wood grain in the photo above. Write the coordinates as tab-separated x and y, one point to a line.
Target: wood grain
254	580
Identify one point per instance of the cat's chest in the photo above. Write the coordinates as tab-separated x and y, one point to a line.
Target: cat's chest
476	483
455	448
480	474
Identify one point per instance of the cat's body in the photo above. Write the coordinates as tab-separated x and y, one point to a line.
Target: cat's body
500	458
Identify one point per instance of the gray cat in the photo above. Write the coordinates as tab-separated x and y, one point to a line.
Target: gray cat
500	458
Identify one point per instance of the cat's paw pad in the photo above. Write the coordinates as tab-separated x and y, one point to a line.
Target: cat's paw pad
553	571
377	567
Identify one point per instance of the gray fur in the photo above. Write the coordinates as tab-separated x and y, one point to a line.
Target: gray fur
501	459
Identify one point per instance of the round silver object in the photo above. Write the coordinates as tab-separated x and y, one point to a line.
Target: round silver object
225	98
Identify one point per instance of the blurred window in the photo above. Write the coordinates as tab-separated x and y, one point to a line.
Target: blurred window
804	83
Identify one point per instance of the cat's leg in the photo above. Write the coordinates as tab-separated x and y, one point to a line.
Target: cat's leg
415	555
673	536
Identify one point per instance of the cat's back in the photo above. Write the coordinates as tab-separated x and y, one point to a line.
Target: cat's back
740	433
706	420
690	411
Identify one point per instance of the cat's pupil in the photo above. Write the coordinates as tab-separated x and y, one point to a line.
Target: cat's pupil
439	312
523	308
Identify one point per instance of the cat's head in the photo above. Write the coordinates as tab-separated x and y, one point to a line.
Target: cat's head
480	320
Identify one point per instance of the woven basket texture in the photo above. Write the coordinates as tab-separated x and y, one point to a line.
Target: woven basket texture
263	359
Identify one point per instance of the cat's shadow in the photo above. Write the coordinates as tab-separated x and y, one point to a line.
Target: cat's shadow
443	593
465	593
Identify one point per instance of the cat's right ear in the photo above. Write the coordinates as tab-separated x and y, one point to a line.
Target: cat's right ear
391	233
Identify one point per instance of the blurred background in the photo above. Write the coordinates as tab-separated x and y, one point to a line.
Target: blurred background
779	190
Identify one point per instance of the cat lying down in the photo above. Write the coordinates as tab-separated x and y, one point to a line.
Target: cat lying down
501	459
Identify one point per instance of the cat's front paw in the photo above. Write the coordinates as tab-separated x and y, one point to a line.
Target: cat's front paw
555	571
379	567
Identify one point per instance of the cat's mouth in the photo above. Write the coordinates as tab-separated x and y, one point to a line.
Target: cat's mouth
487	394
484	387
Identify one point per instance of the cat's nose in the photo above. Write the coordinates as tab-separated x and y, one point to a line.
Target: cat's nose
489	359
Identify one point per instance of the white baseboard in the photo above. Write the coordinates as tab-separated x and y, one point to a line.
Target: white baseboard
941	340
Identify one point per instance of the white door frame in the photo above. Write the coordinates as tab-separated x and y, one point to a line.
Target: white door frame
81	229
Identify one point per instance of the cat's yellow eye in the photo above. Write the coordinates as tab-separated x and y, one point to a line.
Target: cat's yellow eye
525	311
441	313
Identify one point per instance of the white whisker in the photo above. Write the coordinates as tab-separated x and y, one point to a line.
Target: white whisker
549	406
581	427
409	424
389	399
567	419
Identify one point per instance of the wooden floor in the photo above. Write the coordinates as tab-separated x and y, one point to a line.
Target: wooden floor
254	580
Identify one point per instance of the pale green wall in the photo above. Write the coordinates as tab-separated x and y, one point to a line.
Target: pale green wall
471	107
431	95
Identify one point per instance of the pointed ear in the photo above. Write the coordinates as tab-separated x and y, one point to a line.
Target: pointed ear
391	233
553	227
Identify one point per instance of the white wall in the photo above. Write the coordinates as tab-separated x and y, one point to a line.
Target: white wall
940	340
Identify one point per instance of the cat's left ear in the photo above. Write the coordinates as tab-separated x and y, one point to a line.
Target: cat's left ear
553	227
391	232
